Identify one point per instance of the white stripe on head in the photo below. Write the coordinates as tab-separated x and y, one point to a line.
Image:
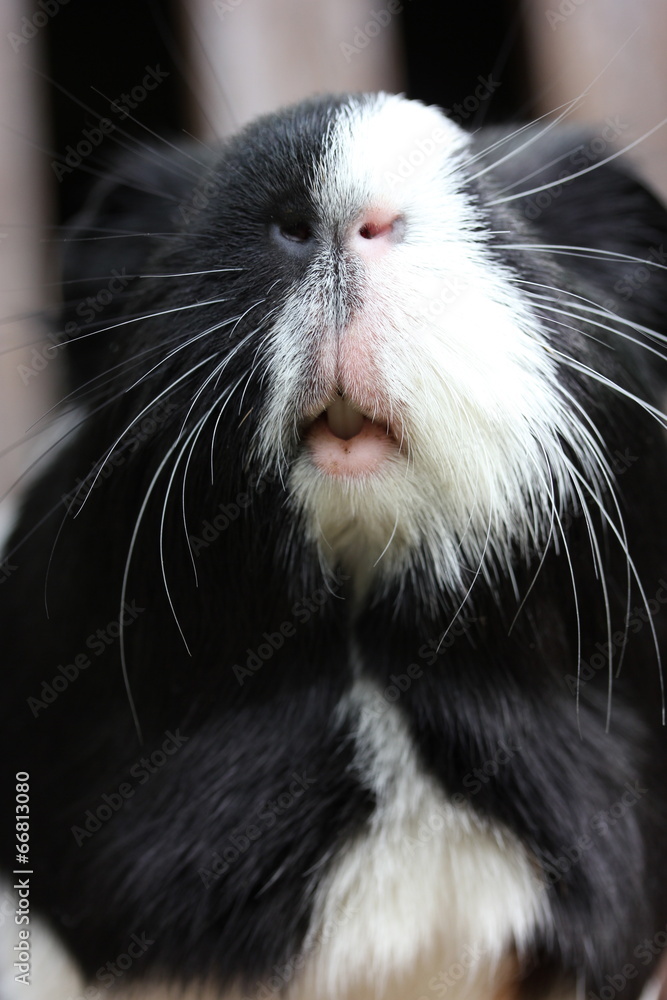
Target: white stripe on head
438	338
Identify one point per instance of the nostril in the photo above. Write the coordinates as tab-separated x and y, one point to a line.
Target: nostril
370	230
376	233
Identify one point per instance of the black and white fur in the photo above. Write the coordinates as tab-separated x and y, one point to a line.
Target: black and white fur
498	543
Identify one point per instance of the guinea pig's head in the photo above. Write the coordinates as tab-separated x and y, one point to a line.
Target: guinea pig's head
352	318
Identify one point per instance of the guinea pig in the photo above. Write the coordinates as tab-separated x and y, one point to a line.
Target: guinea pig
331	640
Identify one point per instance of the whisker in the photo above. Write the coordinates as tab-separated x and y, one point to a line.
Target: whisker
185	67
194	434
86	168
586	370
568	107
172	274
506	138
580	173
545	548
591	322
176	167
590	253
182	347
123	593
387	546
137	145
476	575
146	408
139	318
540	169
635	575
229	394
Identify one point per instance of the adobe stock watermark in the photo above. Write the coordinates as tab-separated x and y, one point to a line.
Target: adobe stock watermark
486	88
430	651
88	310
93	136
473	781
449	289
302	611
144	429
446	979
585	155
111	802
637	275
619	462
565	9
6	570
600	824
206	189
424	148
274	985
109	974
646	953
634	277
364	34
410	162
97	644
638	617
225	7
226	513
32	25
263	819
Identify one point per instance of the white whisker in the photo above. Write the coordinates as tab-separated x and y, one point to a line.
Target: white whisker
568	107
146	408
580	173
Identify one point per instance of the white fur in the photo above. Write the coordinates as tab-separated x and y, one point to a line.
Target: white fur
426	890
462	366
427	882
459	360
53	975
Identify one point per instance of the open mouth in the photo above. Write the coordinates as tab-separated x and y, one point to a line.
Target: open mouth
343	441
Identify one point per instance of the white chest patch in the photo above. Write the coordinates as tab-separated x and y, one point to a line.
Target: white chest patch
428	884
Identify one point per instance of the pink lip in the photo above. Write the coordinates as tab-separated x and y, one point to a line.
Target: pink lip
353	457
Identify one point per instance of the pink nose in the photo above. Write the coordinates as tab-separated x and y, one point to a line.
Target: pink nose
377	233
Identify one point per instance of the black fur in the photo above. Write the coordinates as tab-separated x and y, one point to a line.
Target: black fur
153	867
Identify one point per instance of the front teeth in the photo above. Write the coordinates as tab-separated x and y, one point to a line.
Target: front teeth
344	422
